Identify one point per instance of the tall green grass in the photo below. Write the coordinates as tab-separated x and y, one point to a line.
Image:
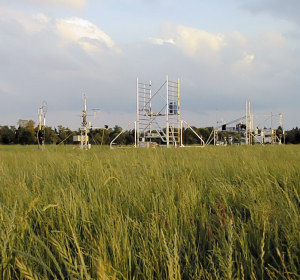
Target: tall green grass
212	213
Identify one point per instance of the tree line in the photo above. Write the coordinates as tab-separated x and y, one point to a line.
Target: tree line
27	135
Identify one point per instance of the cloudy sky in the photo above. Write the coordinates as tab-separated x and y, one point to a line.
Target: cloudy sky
223	51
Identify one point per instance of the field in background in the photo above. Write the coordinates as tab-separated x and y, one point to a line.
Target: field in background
212	213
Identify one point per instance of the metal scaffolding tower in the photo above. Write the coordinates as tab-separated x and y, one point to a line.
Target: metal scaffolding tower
158	114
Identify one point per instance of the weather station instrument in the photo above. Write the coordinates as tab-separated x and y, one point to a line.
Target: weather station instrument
85	127
42	124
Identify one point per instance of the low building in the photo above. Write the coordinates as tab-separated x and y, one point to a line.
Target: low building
23	123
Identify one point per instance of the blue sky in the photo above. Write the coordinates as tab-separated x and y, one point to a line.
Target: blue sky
224	52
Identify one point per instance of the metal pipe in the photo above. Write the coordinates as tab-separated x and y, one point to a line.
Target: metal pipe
150	108
135	134
178	113
181	134
167	113
247	122
137	113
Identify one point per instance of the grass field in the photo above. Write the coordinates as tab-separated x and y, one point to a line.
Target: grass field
212	213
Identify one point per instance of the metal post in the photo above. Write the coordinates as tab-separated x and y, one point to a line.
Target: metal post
135	134
40	118
42	123
252	117
178	115
84	143
137	114
167	114
150	109
271	120
246	140
250	123
44	119
280	120
214	137
86	140
181	133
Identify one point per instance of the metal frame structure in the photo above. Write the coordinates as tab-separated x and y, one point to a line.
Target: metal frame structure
158	122
42	124
84	129
246	132
86	126
269	135
83	138
158	116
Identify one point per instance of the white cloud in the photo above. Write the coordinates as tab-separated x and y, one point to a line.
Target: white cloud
190	40
248	58
31	23
70	3
77	4
193	40
76	30
158	41
36	23
46	58
85	33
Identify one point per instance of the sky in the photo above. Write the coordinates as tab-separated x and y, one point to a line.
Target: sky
224	52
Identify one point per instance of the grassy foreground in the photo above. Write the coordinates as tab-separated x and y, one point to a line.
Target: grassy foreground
212	213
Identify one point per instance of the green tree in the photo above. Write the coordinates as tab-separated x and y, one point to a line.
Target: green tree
7	135
27	134
51	136
293	136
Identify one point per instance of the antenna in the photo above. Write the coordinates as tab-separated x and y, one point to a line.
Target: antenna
86	126
42	123
84	138
280	119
